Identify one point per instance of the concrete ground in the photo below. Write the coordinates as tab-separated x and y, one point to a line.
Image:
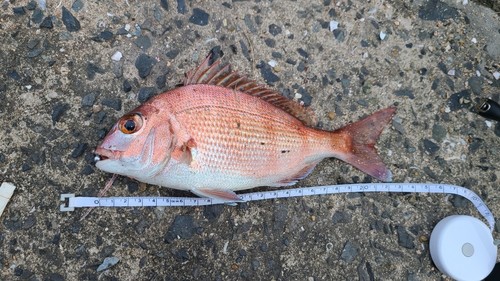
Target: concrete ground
62	87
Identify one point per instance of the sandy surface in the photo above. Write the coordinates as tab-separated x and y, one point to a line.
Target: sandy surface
61	91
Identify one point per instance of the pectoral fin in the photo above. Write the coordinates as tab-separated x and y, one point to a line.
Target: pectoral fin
222	194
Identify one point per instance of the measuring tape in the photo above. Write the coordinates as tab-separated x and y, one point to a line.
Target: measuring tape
71	202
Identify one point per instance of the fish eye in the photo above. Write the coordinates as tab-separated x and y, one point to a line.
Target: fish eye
130	123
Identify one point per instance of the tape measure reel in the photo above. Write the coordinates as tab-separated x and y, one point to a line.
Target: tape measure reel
462	247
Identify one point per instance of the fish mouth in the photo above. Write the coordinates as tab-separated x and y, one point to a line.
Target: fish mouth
106	154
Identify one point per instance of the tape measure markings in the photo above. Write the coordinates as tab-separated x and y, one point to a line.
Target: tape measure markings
71	202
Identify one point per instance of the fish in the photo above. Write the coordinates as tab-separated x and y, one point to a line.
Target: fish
221	132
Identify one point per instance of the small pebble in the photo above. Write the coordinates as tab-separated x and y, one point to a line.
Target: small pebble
72	24
274	29
107	263
334	25
451	72
77	5
382	35
272	63
474	40
117	56
145	94
199	17
144	64
47	23
496	74
127	87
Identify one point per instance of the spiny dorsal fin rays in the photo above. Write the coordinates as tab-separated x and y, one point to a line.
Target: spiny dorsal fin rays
222	75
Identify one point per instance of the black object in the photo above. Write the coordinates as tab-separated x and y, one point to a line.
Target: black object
488	109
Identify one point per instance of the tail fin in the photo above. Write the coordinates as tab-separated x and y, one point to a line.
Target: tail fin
363	136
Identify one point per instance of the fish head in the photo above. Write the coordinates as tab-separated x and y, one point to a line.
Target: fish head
138	145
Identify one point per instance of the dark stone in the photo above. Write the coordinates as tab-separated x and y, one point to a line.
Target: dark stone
341	217
437	10
475	144
31	5
409	45
25	167
89	100
422	71
127	87
276	55
121	31
199	17
37	16
47	23
438	132
14	75
105	35
34	53
274	29
303	53
29	222
404	238
365	43
79	150
291	61
306	97
181	7
132	186
213	212
143	42
181	255
459	201
267	73
455	101
72	24
144	64
430	173
172	54
442	67
475	84
145	93
114	103
77	5
245	51
255	264
249	23
301	67
32	43
349	252
430	147
87	170
497	129
183	227
339	34
271	43
58	111
92	69
164	4
54	277
405	93
215	54
435	84
19	11
161	81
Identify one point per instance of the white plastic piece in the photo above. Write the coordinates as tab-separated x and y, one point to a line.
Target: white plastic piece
382	35
6	191
462	248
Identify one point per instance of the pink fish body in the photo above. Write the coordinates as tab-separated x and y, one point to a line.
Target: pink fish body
222	133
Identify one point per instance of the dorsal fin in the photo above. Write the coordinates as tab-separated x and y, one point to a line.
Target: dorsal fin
221	75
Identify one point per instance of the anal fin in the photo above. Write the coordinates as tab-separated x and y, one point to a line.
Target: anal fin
304	172
221	194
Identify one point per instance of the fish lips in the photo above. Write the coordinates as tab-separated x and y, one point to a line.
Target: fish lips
103	154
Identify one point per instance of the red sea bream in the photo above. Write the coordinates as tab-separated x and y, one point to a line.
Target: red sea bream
221	132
